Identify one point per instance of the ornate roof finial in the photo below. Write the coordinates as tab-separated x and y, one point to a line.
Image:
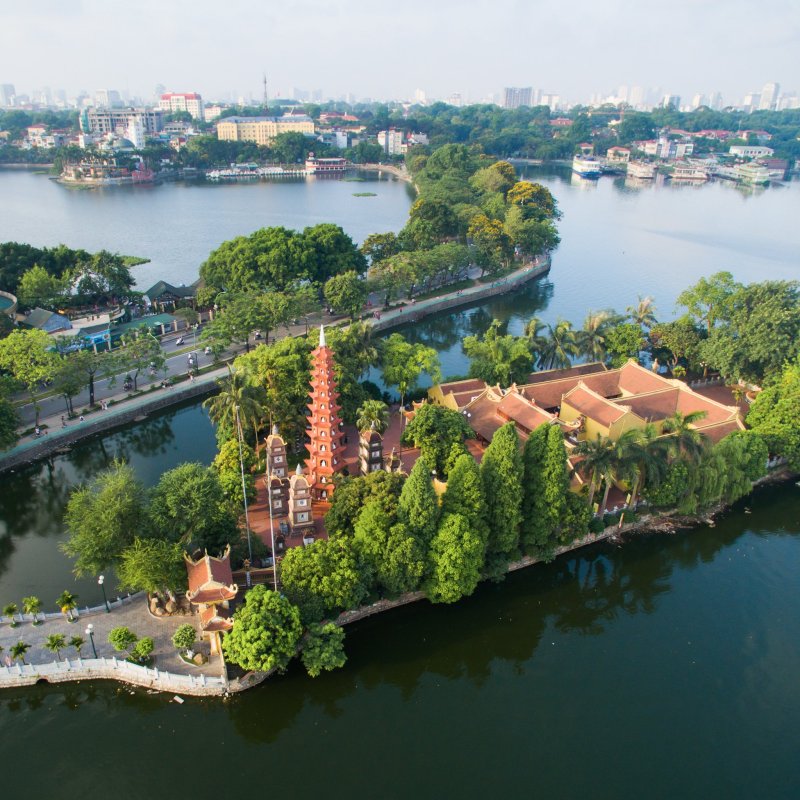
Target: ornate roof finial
322	336
299	470
275	431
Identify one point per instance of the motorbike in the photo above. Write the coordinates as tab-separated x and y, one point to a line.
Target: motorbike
179	340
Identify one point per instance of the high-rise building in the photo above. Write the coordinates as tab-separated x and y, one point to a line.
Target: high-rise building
190	102
636	97
751	101
516	96
107	98
672	101
392	142
262	130
7	94
769	96
715	101
420	97
117	120
698	100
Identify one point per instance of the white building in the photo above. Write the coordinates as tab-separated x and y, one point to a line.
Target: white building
392	142
135	133
769	96
516	96
210	113
750	151
173	102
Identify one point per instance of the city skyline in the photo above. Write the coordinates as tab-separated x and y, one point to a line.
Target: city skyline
590	51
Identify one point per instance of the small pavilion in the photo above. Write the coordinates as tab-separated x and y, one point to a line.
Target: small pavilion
211	589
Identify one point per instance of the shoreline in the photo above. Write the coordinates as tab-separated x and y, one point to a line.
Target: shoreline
202	685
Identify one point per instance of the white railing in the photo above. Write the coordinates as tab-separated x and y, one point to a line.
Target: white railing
88	668
86	611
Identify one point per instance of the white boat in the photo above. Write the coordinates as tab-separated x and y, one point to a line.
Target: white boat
641	169
753	174
587	166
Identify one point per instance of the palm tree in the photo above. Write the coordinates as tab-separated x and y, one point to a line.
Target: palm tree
597	457
18	651
32	605
9	611
592	337
682	436
560	346
643	313
67	602
641	457
77	642
373	414
236	394
55	643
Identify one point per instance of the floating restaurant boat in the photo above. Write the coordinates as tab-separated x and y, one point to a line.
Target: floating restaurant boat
587	166
641	169
685	171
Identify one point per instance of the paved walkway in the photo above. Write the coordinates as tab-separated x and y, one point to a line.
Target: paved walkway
133	615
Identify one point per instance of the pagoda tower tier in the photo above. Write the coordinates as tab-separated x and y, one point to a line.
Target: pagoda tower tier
325	427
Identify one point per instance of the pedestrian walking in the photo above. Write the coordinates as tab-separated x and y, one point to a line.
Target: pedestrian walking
63	422
81	418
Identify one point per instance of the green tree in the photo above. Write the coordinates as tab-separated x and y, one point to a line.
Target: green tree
188	505
10	611
682	437
346	293
184	637
139	350
122	639
403	363
32	605
493	248
38	287
465	495
68	381
501	472
434	430
142	650
9	419
591	339
456	560
322	579
27	356
228	467
418	506
77	642
388	553
153	566
595	461
623	342
373	414
354	493
498	358
378	246
559	346
643	313
19	650
67	603
238	402
323	648
709	299
266	631
331	252
103	518
774	414
677	342
55	643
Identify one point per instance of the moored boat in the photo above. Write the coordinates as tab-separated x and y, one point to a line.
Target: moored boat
587	166
641	169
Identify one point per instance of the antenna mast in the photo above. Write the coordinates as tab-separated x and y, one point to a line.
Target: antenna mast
266	104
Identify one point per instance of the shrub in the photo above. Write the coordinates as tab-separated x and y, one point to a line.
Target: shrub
596	525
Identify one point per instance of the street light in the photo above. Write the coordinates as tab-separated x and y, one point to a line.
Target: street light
101	582
90	634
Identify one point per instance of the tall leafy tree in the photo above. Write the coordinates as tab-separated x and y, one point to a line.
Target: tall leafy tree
103	517
456	560
501	471
373	415
465	494
322	579
403	364
595	462
346	293
418	506
536	525
27	355
559	346
434	430
323	648
266	632
354	493
139	350
152	565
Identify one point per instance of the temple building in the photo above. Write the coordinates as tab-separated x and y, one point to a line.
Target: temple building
300	495
325	426
370	451
277	480
211	588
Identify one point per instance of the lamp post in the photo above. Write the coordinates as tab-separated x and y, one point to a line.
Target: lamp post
244	487
101	583
90	634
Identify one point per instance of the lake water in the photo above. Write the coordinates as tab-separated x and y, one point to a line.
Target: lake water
664	668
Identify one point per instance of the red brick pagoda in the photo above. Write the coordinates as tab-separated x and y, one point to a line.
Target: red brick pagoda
324	424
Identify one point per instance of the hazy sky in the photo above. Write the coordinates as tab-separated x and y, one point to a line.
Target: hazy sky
388	49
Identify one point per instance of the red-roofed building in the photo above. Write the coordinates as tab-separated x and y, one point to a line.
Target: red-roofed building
211	588
190	102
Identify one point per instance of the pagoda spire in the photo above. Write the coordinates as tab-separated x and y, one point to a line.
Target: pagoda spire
325	427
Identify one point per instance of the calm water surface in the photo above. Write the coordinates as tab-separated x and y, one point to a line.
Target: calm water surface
666	668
